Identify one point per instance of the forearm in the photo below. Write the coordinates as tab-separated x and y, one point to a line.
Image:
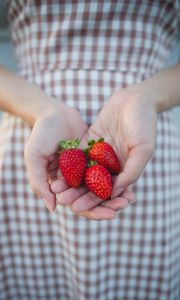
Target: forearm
165	86
21	98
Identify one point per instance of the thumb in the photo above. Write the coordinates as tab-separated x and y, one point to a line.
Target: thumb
138	158
37	172
91	134
84	140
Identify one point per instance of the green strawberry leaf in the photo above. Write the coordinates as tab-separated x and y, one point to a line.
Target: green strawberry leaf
91	143
68	144
92	163
100	140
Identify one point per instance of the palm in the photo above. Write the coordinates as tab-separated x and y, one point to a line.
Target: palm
41	150
128	123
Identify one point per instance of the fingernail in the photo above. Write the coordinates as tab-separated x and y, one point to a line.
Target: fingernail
62	202
117	193
59	201
92	215
124	203
78	207
48	206
132	200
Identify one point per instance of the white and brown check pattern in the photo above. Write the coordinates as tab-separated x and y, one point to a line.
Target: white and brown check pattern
80	52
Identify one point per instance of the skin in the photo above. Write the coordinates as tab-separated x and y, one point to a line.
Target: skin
132	132
133	136
51	121
53	126
133	143
71	125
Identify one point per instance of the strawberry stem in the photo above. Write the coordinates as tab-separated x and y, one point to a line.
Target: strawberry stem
85	152
100	140
92	163
68	144
91	143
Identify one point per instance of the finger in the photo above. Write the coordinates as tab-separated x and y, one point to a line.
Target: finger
69	195
84	140
53	162
98	213
126	193
86	202
90	134
52	175
52	168
138	157
38	178
122	201
116	203
129	195
59	185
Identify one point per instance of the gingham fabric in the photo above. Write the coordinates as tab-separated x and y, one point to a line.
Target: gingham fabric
81	52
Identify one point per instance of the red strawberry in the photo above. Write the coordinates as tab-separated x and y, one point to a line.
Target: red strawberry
104	154
72	162
99	181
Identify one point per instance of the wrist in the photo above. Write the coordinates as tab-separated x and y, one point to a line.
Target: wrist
164	88
46	106
24	99
154	94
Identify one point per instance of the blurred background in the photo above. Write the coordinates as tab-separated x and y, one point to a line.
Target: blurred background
8	60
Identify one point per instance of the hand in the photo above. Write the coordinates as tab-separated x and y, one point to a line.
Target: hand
132	133
87	204
54	124
128	123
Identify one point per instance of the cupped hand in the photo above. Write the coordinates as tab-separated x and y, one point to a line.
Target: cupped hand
56	123
128	123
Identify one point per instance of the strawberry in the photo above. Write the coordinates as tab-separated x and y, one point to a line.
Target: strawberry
72	162
99	181
104	154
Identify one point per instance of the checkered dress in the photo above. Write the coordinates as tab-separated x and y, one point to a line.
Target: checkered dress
81	52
